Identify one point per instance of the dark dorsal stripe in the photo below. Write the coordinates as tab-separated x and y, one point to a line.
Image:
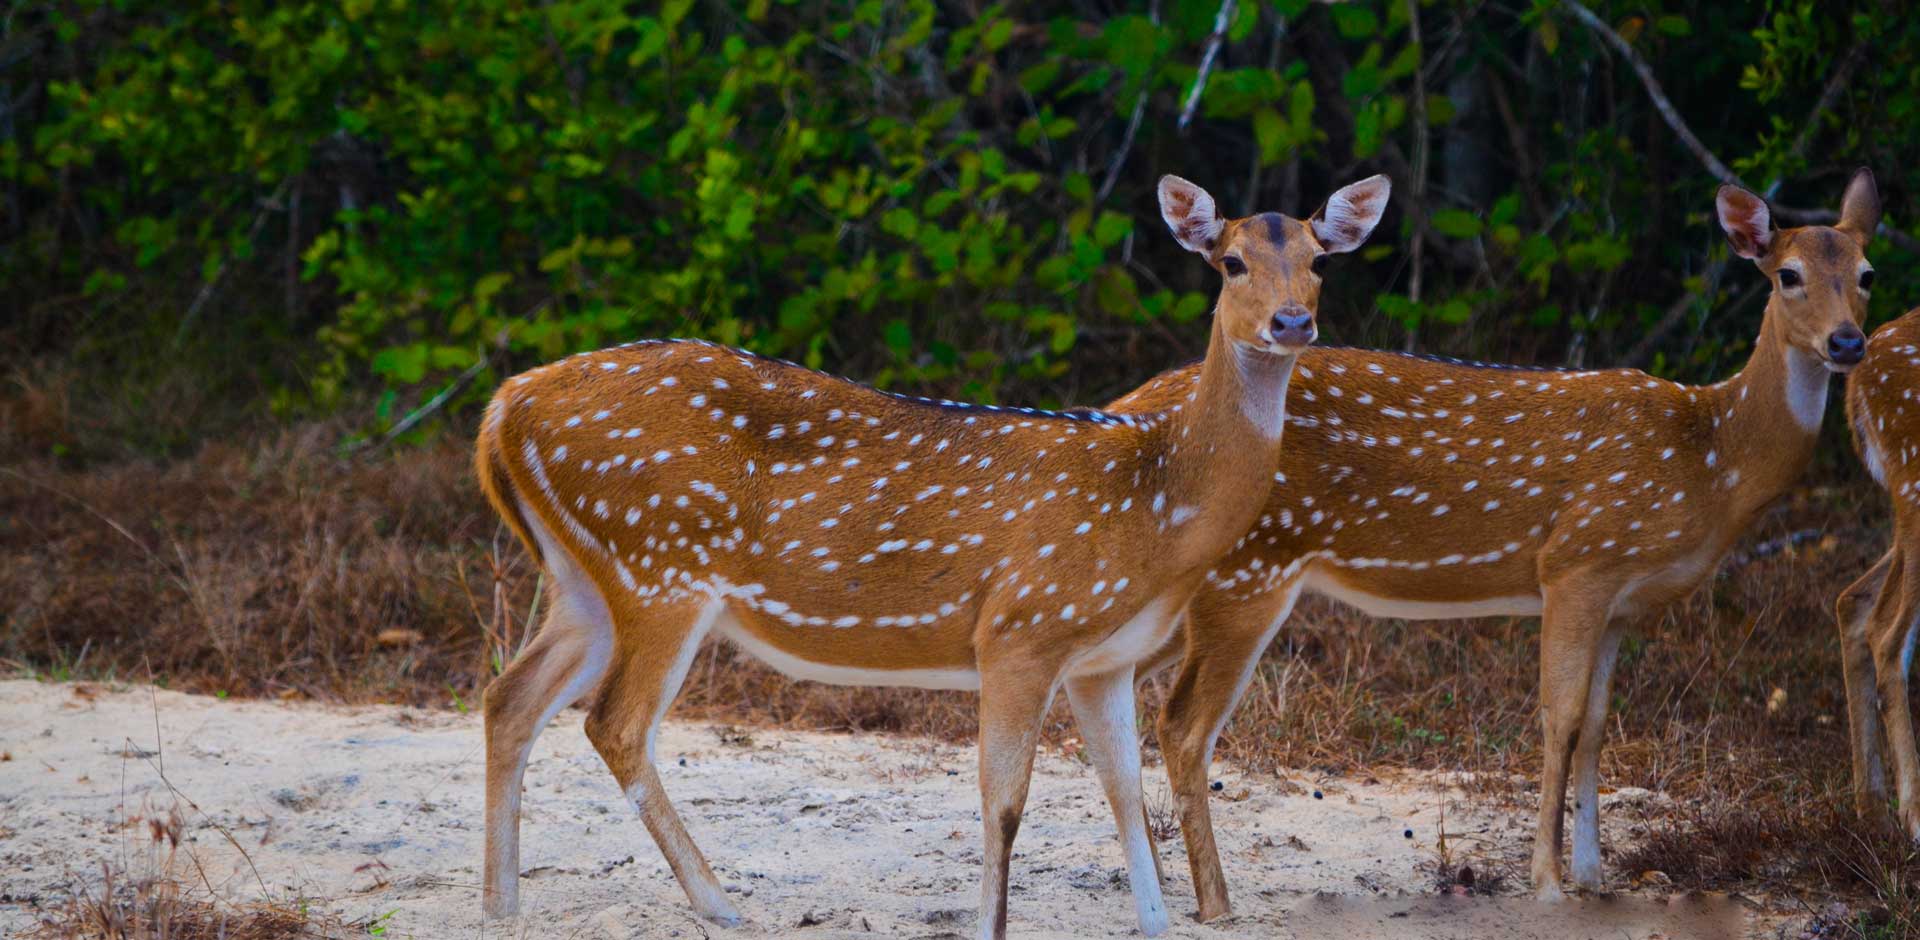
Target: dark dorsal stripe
1276	227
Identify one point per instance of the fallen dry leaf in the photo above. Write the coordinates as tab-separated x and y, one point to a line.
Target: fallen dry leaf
397	636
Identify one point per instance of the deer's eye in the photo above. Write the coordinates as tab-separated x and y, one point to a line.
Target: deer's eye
1234	266
1789	277
1866	279
1319	264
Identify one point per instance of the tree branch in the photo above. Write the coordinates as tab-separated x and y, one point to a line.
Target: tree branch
1133	126
1720	170
1661	103
1420	160
1126	144
433	404
1220	22
1828	96
207	290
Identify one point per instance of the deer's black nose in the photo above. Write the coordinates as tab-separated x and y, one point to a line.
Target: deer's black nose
1293	326
1847	345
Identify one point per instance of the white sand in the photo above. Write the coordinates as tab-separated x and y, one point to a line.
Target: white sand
375	812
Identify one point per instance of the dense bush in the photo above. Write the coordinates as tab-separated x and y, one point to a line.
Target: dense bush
379	193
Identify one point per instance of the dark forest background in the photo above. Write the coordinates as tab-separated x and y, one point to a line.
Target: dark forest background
219	215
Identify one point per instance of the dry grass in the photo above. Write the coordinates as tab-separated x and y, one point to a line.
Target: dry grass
276	567
165	903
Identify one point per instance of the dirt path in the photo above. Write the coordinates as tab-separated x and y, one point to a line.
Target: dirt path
374	812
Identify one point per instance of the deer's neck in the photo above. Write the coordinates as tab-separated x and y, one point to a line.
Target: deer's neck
1766	420
1221	447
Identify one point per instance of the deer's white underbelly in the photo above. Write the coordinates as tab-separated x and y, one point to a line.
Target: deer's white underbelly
728	626
1519	605
1136	639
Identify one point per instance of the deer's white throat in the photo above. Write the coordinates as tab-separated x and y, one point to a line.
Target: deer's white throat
1263	388
1807	385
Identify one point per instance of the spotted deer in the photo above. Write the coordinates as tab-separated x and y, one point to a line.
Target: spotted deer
1422	488
679	490
1880	613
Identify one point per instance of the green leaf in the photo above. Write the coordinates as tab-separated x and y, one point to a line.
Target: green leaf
1111	228
1354	21
1455	223
899	222
899	337
1270	134
1673	24
403	364
1116	293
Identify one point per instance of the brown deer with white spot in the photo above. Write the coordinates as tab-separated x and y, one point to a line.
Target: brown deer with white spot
1422	488
679	490
1879	614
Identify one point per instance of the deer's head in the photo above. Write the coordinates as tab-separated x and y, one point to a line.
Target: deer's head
1271	264
1819	273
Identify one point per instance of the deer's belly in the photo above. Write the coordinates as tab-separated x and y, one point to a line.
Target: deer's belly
884	656
1135	641
1668	582
1425	595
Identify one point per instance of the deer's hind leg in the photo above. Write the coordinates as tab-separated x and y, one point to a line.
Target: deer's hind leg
1012	705
653	648
1896	619
1854	612
1587	872
562	665
1573	637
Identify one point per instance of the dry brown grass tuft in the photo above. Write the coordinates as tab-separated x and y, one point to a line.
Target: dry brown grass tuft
165	909
162	905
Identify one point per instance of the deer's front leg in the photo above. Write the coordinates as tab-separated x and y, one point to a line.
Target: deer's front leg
1855	613
1224	641
1572	630
1103	707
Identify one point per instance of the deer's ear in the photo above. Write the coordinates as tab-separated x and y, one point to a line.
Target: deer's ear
1747	221
1190	213
1860	207
1350	214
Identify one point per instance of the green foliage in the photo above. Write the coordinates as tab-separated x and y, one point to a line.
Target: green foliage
380	193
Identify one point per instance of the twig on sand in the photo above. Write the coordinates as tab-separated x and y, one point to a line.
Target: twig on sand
158	763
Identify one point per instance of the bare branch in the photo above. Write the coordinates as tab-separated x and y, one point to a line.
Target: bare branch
432	405
1720	170
1133	126
270	204
1126	144
1828	96
1667	111
1420	161
1220	23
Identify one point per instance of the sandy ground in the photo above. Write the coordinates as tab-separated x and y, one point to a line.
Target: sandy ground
375	813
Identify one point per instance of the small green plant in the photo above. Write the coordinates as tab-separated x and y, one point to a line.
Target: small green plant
378	926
